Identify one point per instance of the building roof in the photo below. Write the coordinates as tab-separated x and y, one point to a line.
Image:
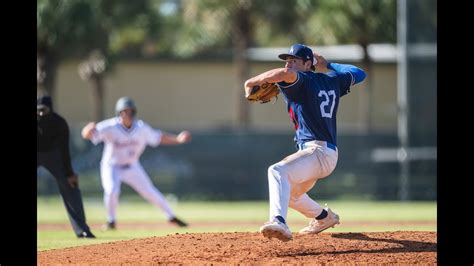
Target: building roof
382	53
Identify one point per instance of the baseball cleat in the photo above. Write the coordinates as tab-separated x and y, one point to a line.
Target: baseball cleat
276	229
109	226
178	222
85	234
317	226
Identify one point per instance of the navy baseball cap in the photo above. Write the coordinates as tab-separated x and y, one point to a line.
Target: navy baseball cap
299	51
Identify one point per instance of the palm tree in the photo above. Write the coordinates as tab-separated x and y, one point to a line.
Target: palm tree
81	28
212	25
65	29
93	71
362	22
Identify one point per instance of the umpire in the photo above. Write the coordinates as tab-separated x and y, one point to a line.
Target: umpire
53	154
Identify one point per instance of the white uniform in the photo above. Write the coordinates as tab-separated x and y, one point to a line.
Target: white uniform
290	179
120	162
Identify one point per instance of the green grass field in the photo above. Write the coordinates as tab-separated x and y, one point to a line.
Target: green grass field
246	216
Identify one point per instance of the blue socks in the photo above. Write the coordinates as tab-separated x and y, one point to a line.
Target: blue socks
323	215
281	219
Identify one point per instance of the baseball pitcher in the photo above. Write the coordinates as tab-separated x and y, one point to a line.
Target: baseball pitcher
312	103
125	138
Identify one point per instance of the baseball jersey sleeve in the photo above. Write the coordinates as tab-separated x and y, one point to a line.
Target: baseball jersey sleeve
347	76
152	136
291	90
101	133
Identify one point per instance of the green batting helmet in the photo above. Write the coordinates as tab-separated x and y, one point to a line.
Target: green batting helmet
125	103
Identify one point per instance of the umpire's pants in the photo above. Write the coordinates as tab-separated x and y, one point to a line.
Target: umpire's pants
72	198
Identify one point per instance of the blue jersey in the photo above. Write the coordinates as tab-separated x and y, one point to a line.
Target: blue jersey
313	101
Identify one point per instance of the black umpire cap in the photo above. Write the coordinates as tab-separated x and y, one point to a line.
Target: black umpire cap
44	101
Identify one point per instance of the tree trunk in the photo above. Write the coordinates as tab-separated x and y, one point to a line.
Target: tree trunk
240	40
47	67
97	84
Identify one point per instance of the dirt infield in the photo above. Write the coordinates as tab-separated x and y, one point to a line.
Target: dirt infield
256	224
403	247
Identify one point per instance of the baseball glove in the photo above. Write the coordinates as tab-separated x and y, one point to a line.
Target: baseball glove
263	93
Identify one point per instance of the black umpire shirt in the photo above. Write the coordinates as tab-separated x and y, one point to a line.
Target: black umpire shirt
53	134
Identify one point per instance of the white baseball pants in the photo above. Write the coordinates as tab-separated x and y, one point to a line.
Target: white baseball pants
292	177
135	176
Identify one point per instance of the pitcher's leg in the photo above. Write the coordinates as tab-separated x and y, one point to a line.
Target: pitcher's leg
299	200
294	169
139	180
279	191
306	206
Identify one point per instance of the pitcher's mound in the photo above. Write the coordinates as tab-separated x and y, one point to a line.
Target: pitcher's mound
240	247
